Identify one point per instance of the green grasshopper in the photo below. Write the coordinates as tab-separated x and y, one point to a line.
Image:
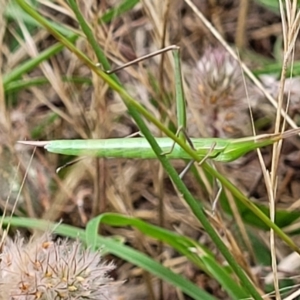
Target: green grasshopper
174	147
222	150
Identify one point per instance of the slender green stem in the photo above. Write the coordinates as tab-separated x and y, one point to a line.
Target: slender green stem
180	101
225	182
118	10
91	39
27	66
195	206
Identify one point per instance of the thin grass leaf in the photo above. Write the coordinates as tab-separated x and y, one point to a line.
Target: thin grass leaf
13	12
194	251
275	69
91	39
116	11
32	63
17	85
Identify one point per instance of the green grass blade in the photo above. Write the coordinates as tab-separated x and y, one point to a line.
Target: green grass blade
194	251
180	101
125	6
91	39
13	12
196	207
13	86
251	206
273	4
283	218
275	69
29	65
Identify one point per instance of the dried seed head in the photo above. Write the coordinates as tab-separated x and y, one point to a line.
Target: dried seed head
219	94
44	269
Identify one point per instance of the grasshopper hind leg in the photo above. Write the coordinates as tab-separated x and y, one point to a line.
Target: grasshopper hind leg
217	197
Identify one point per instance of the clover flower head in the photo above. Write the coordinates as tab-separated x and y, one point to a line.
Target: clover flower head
219	93
218	75
46	270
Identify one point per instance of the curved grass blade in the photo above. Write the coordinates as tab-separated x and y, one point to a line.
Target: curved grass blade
118	10
194	251
28	65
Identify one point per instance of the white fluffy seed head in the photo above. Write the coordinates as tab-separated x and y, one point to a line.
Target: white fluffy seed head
44	269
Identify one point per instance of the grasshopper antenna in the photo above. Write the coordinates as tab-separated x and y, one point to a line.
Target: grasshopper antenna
135	61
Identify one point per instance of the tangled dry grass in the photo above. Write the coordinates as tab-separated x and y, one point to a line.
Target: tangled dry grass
63	109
